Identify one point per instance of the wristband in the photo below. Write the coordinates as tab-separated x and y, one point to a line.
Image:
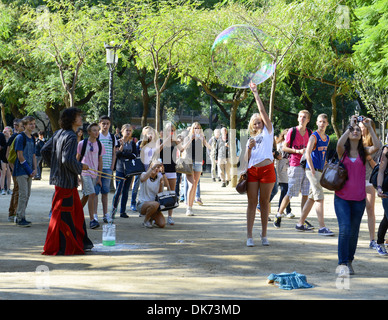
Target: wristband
26	167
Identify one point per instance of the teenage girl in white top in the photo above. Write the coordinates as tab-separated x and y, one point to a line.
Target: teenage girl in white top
261	171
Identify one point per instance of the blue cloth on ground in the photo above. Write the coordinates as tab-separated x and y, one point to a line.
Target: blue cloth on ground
289	281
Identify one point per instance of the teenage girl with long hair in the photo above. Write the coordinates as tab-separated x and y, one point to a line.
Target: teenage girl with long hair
261	170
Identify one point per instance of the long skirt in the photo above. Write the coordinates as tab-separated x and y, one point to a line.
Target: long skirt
66	233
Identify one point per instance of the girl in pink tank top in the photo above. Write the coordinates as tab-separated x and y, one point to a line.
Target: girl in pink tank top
349	202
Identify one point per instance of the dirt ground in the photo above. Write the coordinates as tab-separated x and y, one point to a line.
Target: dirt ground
199	258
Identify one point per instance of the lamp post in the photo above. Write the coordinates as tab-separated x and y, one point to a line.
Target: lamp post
111	62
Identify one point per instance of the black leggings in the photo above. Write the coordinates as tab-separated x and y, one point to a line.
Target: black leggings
382	230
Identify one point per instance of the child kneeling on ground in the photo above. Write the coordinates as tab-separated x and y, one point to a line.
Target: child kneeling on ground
151	183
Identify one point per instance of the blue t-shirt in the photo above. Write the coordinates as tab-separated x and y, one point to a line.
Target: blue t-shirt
28	153
318	154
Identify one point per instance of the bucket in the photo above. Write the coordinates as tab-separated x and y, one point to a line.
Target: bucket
109	234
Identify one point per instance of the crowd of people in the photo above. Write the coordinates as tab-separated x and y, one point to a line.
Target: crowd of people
292	162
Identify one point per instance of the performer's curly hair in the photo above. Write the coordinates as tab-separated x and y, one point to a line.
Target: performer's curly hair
68	117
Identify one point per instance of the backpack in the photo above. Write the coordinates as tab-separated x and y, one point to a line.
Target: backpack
85	144
12	155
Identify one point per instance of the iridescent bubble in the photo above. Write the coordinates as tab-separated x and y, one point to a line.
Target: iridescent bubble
239	56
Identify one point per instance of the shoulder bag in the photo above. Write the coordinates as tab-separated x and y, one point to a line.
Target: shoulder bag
334	175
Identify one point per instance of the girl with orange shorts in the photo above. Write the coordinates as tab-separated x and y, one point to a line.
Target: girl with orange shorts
261	172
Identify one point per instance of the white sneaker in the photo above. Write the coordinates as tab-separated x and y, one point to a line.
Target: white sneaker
290	215
250	242
170	221
264	240
3	192
147	224
189	212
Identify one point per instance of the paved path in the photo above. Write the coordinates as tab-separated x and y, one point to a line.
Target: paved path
200	257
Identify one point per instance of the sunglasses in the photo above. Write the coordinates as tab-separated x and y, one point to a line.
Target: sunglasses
91	147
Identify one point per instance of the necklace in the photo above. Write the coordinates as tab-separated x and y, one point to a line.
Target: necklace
153	179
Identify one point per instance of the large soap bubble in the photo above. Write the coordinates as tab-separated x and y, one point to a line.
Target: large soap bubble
238	56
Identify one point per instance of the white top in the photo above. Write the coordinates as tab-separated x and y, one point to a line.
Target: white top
149	189
263	148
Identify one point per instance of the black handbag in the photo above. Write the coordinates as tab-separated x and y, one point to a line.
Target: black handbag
133	167
167	200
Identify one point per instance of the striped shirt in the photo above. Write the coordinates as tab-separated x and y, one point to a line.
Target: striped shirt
64	167
108	144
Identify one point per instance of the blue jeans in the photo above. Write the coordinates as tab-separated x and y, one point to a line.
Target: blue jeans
349	215
135	190
122	189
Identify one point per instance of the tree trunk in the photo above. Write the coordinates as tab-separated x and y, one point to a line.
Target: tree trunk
232	143
54	112
272	98
334	112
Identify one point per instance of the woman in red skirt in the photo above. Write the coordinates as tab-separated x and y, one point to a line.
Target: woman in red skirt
66	233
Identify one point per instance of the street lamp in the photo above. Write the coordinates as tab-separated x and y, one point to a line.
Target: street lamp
111	62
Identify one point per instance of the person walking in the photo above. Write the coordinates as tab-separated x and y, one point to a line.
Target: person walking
193	146
316	157
295	145
261	170
371	161
349	202
382	230
66	234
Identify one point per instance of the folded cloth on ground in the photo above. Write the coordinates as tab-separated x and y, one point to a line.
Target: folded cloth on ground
289	281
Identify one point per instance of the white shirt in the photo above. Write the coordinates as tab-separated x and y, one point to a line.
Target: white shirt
149	189
263	148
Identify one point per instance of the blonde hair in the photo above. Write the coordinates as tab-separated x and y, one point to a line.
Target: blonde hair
367	140
305	112
145	132
252	131
192	128
125	127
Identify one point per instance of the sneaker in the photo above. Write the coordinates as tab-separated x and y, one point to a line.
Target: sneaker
106	218
170	221
264	240
133	208
3	192
250	242
308	225
290	215
24	223
189	212
223	185
9	191
147	224
381	250
350	267
124	215
302	228
372	244
325	232
199	202
277	222
94	224
12	218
